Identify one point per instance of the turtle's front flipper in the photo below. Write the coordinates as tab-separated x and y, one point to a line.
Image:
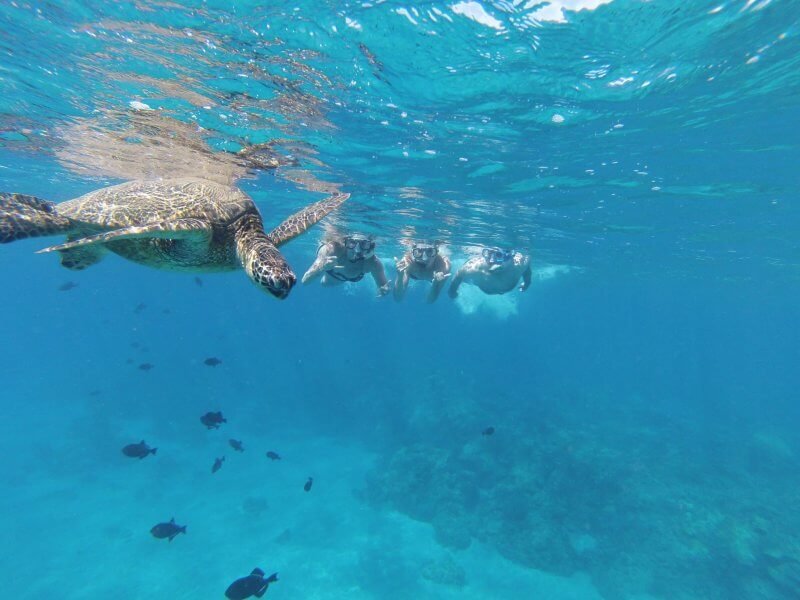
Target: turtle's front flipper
299	222
179	229
24	216
77	259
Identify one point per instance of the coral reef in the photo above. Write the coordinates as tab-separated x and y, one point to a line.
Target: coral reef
445	571
644	504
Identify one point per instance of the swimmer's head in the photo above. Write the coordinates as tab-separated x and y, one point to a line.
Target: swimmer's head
424	253
359	247
497	256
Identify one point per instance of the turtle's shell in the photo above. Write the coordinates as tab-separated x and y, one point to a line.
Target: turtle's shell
141	202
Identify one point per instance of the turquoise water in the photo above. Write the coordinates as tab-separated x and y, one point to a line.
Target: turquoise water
643	391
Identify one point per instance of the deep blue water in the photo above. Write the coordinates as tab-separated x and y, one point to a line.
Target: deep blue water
643	391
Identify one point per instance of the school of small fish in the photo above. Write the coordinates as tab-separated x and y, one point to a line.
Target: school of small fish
256	583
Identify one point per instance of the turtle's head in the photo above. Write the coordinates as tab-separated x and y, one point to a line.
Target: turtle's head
277	279
264	263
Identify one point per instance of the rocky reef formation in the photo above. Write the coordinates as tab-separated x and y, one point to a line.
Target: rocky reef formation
644	504
445	571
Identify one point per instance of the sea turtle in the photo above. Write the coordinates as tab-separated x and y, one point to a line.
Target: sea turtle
184	224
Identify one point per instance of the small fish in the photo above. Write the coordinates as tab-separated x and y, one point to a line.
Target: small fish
212	361
65	287
273	455
140	307
166	311
167	530
213	420
254	584
309	483
217	464
236	445
198	282
139	450
145	366
95	393
488	431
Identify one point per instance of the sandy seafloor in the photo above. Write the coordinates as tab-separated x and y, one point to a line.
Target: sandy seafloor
91	540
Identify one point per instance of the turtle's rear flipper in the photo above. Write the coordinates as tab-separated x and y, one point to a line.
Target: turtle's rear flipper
299	222
179	229
24	216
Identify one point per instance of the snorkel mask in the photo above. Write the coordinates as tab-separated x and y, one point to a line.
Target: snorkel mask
359	247
496	256
424	253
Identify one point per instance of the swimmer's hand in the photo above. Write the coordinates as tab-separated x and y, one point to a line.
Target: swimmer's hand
331	263
495	267
440	276
523	286
383	290
402	264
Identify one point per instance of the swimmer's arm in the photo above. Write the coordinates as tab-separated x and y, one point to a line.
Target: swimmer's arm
457	279
439	278
400	285
320	264
526	278
379	275
401	282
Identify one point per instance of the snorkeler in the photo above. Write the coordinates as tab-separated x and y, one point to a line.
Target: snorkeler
495	271
348	259
422	262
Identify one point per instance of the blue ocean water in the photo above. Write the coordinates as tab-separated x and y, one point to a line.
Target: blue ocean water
642	391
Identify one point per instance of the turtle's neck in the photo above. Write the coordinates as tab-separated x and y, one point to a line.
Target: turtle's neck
248	231
260	258
249	223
